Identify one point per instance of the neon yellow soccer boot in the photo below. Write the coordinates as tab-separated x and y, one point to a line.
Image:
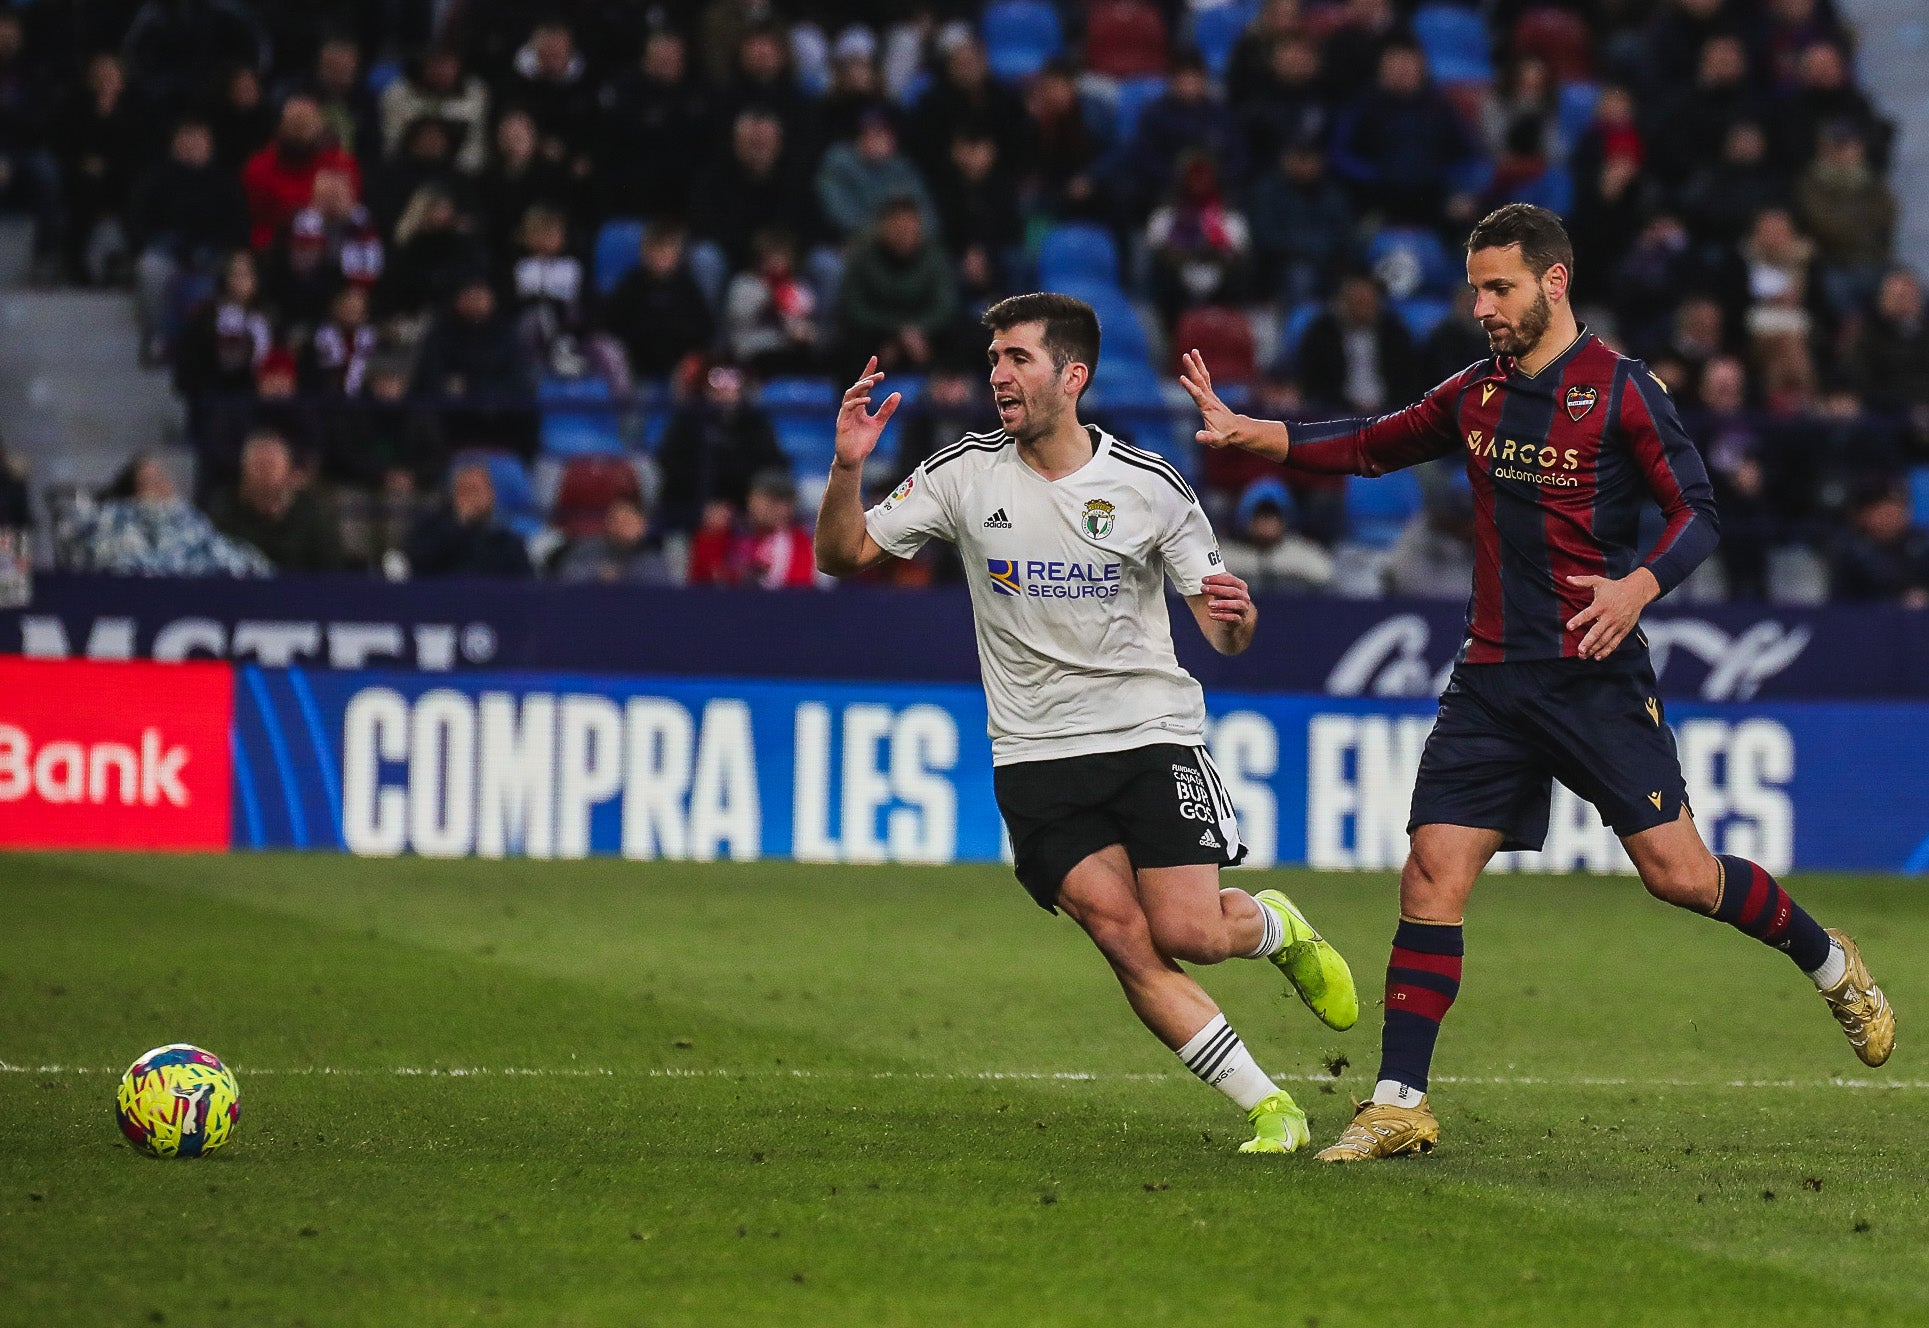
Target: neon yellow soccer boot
1314	968
1279	1126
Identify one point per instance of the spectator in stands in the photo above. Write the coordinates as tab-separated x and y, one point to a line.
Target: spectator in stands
546	282
520	178
1826	94
1302	223
711	450
186	212
1399	143
1455	342
16	499
242	119
770	311
1733	446
1649	280
271	509
437	86
1893	357
1063	148
1881	557
1434	556
1782	290
1201	248
652	114
1698	116
856	89
1788	29
762	81
897	294
280	178
330	242
1609	194
29	176
391	446
657	311
856	178
462	537
965	95
1288	102
218	352
755	188
549	81
1723	197
334	363
978	216
142	526
434	250
1265	550
1357	46
1358	354
770	550
471	353
1699	335
954	403
1187	117
1663	56
347	107
622	551
1850	213
98	148
425	156
175	52
1523	111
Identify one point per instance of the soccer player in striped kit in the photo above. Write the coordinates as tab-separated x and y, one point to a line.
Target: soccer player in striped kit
1564	441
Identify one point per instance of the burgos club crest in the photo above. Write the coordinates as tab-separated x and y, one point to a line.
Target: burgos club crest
1580	400
1098	518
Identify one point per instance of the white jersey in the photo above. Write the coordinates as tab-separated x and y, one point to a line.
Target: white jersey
1067	588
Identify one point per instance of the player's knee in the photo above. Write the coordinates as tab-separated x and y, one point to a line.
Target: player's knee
1424	887
1122	935
1688	882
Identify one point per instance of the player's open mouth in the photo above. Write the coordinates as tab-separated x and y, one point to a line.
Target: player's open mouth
1008	405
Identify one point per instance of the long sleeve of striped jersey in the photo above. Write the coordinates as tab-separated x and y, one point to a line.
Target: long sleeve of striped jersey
1676	477
1379	444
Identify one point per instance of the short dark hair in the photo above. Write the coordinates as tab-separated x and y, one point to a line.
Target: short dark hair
1071	325
1542	239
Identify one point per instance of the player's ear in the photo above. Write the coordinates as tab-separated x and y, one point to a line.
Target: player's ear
1077	375
1554	281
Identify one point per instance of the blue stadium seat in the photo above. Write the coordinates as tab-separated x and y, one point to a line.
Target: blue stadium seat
804	414
1079	251
1456	43
1122	336
380	75
579	418
616	252
1421	315
516	505
1135	94
1919	497
1577	102
1378	509
1217	30
1020	36
1553	191
1298	319
1411	262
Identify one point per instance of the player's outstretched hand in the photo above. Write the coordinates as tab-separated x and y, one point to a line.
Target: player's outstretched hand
1219	420
1616	609
858	428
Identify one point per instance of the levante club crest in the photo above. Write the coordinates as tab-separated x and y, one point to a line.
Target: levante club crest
1098	518
1580	400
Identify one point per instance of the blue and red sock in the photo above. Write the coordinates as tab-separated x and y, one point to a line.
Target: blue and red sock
1752	901
1422	978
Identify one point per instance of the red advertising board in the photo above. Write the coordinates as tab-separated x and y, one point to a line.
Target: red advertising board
114	755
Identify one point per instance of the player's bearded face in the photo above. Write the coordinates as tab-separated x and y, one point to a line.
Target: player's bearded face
1519	336
1029	401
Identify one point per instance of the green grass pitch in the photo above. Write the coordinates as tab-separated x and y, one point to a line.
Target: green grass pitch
605	1093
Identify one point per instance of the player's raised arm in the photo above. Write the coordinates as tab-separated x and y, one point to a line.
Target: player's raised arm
843	545
1364	446
1225	612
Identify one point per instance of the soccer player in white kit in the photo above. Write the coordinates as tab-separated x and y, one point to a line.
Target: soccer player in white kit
1098	749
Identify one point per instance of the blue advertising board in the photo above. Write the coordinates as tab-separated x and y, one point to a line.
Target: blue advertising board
573	764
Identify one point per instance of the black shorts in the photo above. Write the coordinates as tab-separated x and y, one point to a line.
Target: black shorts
1165	804
1507	731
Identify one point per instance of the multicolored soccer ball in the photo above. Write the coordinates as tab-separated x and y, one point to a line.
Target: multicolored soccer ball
178	1101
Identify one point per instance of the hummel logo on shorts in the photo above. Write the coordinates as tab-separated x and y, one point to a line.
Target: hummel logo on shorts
998	521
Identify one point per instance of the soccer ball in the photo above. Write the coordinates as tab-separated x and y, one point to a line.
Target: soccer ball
178	1101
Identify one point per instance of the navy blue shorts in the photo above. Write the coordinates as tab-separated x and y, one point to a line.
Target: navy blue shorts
1507	731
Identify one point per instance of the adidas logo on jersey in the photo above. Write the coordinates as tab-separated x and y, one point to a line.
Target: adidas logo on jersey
998	521
1209	840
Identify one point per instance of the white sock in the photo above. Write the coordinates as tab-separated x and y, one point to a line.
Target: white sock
1393	1093
1219	1058
1272	935
1833	969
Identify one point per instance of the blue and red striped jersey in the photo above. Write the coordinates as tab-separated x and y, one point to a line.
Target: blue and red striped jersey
1561	464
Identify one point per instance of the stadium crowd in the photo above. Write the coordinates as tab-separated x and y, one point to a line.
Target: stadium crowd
570	288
